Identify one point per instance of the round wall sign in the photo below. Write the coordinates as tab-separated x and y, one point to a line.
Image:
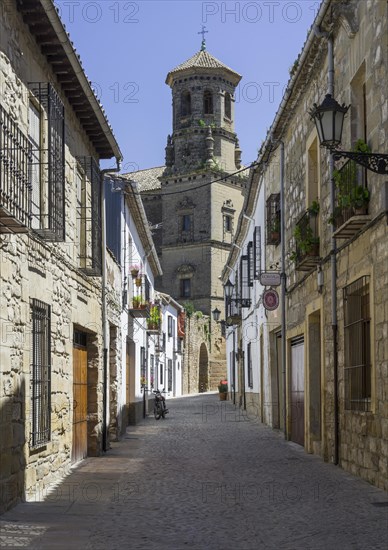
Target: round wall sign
270	299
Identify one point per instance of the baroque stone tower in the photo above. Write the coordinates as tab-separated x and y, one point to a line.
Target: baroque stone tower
193	202
201	194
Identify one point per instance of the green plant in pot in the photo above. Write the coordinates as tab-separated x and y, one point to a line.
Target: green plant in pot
136	301
153	322
306	242
359	198
275	228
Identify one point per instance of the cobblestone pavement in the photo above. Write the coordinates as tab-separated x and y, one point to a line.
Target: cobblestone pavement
204	478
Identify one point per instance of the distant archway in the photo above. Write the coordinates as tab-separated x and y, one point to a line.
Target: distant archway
203	379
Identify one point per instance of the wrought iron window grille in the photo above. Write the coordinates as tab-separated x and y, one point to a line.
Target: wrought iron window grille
15	183
273	219
48	208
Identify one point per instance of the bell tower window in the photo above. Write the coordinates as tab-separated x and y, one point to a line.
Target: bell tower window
186	104
228	106
208	102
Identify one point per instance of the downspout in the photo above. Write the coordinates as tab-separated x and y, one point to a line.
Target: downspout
104	308
334	320
283	279
333	253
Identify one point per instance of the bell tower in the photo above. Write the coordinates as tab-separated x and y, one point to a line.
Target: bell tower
201	194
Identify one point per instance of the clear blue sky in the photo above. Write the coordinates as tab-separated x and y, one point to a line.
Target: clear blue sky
127	49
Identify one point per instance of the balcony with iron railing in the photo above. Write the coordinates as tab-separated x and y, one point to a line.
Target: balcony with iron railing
15	186
352	200
306	254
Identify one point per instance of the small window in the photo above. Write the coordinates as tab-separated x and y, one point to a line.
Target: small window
228	224
185	288
228	106
273	219
169	327
208	102
185	104
186	222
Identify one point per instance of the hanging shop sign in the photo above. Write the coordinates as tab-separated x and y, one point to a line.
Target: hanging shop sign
270	299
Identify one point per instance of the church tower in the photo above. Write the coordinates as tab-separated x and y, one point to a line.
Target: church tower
193	204
201	194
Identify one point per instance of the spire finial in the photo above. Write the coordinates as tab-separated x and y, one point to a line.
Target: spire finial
203	32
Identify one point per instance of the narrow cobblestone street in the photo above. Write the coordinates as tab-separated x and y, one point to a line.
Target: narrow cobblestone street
204	478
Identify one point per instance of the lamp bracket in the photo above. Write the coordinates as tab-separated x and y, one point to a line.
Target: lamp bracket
375	162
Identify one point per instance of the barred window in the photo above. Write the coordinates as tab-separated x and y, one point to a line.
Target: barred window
143	366
40	373
47	170
249	365
169	327
152	370
273	219
169	372
357	346
186	228
91	216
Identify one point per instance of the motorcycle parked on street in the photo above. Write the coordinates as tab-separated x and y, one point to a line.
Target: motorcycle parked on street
160	409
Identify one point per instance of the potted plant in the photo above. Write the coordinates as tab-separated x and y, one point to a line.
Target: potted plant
275	229
306	242
153	322
134	269
337	218
138	280
359	198
136	301
223	390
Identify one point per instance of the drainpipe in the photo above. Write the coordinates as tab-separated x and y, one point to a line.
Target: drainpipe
283	279
333	253
104	309
334	321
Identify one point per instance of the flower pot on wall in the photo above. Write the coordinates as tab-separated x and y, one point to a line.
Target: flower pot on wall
138	281
223	396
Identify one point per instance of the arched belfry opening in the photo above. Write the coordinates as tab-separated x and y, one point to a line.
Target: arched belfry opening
203	379
207	102
185	104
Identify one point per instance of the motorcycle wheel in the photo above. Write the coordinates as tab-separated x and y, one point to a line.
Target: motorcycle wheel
157	412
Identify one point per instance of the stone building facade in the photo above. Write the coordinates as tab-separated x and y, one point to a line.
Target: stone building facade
53	132
335	244
193	201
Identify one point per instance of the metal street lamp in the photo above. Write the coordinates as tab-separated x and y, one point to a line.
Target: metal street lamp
216	314
329	120
228	287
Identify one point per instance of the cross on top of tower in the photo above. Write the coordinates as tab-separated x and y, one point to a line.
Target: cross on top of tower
203	32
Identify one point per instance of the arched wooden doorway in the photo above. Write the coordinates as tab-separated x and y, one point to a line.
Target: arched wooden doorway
203	379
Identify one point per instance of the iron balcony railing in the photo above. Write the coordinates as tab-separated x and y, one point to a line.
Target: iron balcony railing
307	241
15	188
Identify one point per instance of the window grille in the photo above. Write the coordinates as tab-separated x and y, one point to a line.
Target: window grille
251	267
249	365
147	289
169	372
273	219
15	188
169	323
257	252
143	365
92	214
357	345
244	287
152	370
47	169
113	221
161	373
40	373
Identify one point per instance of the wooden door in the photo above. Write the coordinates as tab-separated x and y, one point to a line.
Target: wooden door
297	391
80	404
